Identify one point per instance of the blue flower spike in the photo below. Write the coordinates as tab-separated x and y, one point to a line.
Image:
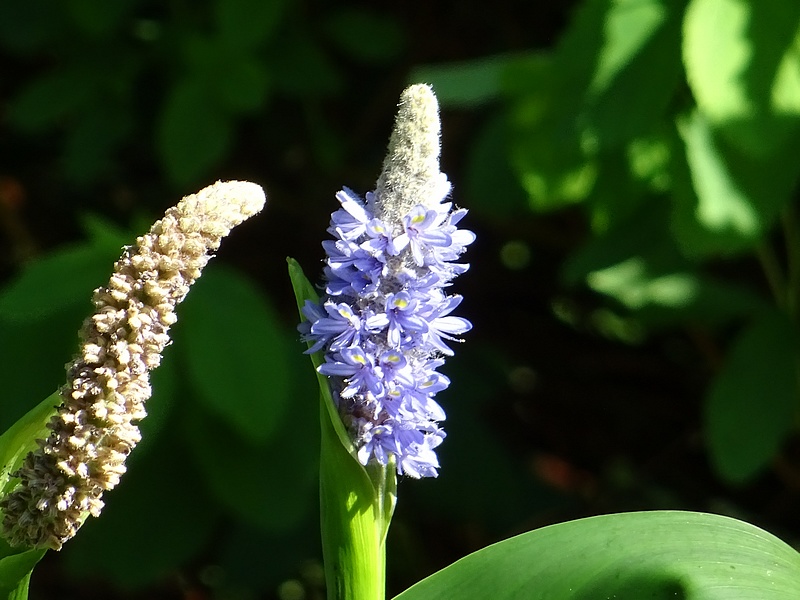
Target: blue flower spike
385	316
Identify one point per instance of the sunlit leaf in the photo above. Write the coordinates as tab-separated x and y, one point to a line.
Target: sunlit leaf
21	437
638	69
743	65
724	210
15	572
658	555
751	406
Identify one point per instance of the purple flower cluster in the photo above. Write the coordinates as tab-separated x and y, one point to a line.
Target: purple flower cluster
384	323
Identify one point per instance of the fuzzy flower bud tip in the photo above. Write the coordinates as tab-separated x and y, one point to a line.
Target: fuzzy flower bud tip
410	173
95	429
385	318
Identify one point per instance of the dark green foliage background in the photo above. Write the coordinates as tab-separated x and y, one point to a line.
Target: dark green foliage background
631	171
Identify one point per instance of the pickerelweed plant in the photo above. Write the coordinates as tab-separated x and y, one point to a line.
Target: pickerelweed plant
382	327
377	336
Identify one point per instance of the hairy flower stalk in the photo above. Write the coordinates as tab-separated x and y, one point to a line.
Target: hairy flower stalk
384	319
95	428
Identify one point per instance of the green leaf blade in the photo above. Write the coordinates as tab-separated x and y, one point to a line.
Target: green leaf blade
751	405
629	556
356	504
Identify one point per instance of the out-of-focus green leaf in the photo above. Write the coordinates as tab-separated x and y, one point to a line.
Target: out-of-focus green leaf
156	519
30	369
271	485
98	19
545	145
734	198
743	65
364	35
26	25
193	132
751	405
60	280
492	188
235	350
245	24
637	72
724	218
468	83
631	556
242	84
92	141
231	78
304	70
643	233
51	97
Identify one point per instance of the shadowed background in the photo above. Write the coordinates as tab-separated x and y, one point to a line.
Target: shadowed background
630	169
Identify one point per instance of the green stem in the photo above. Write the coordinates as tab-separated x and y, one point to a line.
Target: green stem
773	273
354	521
791	236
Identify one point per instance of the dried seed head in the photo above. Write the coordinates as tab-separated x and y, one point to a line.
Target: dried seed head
108	383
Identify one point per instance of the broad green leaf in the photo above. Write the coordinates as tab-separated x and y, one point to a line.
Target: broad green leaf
364	35
631	556
752	404
235	350
743	65
193	133
734	198
356	504
20	438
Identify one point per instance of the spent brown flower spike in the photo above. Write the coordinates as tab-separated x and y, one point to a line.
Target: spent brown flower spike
108	383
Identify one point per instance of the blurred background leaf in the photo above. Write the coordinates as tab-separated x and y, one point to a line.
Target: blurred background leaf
631	172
